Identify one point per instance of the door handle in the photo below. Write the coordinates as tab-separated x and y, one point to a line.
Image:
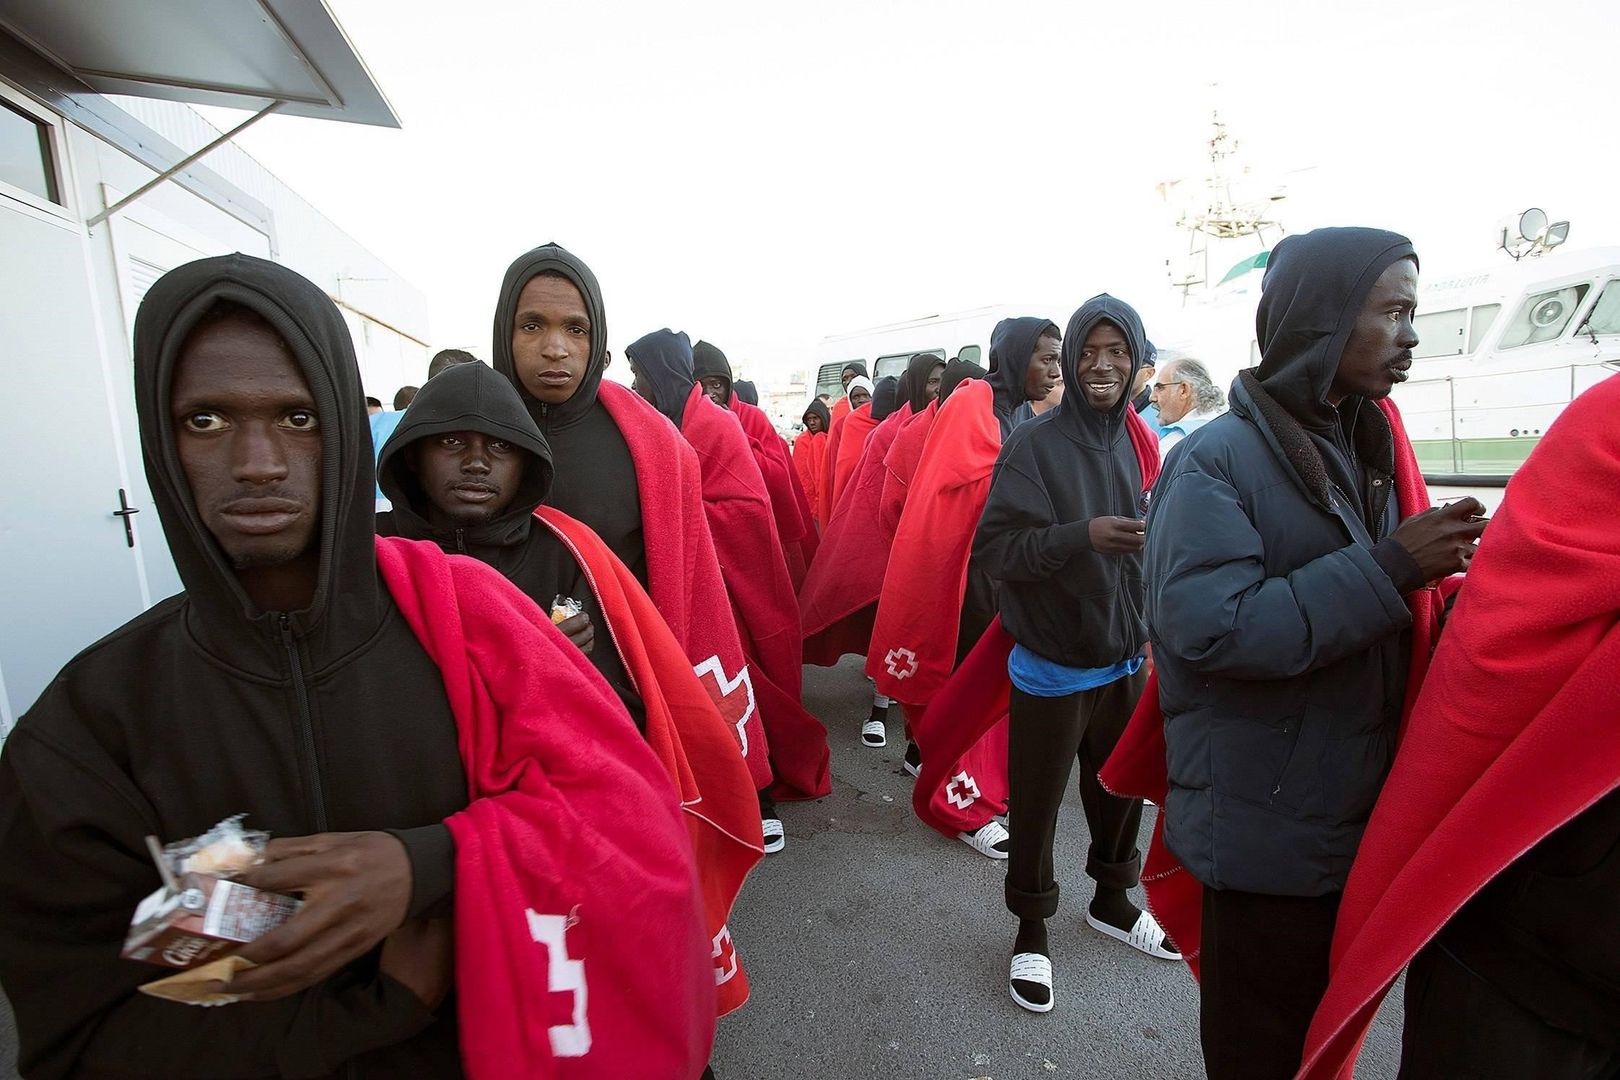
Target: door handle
126	511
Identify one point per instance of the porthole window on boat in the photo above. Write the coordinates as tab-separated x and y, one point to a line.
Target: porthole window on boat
1542	317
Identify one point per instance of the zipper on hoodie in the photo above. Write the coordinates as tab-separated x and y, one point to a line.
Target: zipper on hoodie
461	541
306	724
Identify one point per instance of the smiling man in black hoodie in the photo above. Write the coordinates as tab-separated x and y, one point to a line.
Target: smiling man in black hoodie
1277	560
1062	535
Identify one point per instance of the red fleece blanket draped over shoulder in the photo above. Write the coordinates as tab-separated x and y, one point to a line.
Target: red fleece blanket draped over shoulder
810	458
767	612
795	525
580	943
846	448
1138	765
692	741
841	591
683	571
900	465
1514	733
914	638
962	735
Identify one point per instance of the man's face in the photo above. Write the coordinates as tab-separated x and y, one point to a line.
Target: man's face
812	422
849	373
935	375
717	388
1172	397
373	410
859	397
641	386
249	442
1379	352
1045	369
551	339
1144	375
469	477
1103	367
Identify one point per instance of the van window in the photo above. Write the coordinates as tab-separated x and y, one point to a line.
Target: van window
1543	316
1479	323
1605	317
1440	333
829	378
896	363
971	354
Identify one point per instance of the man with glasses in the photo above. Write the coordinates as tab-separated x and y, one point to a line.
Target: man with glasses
1187	399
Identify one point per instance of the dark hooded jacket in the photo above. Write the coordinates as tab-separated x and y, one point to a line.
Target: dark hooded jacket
1275	598
746	392
885	397
819	407
708	361
473	397
1012	343
590	457
328	719
663	364
956	373
1060	598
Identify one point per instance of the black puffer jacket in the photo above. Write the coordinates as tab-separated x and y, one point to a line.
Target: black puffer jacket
1274	606
328	719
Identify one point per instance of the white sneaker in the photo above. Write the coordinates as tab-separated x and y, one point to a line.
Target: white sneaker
775	835
991	840
874	734
1147	935
1031	967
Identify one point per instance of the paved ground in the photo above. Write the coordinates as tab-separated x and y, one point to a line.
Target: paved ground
879	948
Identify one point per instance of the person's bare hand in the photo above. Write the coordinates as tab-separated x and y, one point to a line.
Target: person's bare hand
581	631
356	889
1117	535
421	955
1442	540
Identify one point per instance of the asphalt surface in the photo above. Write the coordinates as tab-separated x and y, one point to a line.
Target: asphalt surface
877	947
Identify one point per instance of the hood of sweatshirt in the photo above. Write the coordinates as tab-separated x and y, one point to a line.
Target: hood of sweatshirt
914	383
708	360
1310	298
470	397
554	259
885	397
956	373
1012	343
1074	414
348	603
819	407
663	365
746	392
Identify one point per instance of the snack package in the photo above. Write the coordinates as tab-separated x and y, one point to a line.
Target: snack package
564	608
188	987
199	915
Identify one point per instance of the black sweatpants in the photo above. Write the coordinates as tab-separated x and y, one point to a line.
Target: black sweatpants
1264	969
1047	736
1459	1027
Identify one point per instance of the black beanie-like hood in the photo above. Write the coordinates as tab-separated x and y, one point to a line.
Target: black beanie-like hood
708	362
1074	413
662	361
958	372
1310	299
1012	343
746	392
819	407
885	397
470	397
552	259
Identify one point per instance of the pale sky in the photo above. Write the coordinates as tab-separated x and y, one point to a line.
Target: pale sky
763	175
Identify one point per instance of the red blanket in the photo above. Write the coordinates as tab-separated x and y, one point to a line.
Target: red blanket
845	450
1137	767
683	572
810	459
767	612
900	465
841	591
1514	733
794	523
963	735
693	743
914	638
580	941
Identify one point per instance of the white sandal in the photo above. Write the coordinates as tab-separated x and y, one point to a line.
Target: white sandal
874	734
1031	967
775	835
986	839
1147	935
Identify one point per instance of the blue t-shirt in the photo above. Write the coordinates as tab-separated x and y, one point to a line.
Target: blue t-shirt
1037	676
382	426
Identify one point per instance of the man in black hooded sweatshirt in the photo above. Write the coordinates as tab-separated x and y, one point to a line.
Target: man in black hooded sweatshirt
1277	560
1062	535
284	682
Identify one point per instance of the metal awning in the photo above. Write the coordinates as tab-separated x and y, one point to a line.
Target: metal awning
243	54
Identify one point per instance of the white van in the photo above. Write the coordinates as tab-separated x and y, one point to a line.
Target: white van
885	350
